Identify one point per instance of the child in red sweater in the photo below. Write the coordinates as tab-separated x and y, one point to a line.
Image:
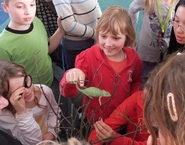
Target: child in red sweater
109	65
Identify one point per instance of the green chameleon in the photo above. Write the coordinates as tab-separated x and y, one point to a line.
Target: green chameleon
94	92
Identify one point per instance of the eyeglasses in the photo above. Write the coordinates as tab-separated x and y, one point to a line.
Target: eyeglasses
175	24
27	81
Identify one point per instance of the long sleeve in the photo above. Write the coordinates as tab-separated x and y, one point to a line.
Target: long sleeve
127	113
115	121
23	127
79	18
134	9
127	141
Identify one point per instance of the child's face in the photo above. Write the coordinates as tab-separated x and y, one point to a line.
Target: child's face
21	13
16	86
179	25
111	44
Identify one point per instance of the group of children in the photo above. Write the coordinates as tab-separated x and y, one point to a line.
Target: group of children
110	65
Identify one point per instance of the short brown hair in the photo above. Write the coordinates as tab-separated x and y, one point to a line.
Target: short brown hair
113	16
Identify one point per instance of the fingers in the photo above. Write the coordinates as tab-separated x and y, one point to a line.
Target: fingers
103	131
149	141
75	75
17	95
17	100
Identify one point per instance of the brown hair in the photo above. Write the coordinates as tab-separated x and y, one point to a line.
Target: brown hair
9	70
167	78
116	16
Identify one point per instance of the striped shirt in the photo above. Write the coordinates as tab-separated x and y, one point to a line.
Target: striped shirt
79	17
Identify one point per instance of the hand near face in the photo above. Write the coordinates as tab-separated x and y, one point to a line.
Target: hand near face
103	131
48	136
18	102
75	75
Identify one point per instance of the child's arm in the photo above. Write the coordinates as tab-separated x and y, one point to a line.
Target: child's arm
73	26
115	121
103	131
119	118
67	87
134	9
56	38
127	141
23	127
77	74
29	131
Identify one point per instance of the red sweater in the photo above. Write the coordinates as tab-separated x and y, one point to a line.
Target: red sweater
131	108
100	74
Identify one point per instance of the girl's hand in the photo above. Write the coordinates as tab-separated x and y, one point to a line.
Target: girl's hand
18	102
75	75
103	131
48	136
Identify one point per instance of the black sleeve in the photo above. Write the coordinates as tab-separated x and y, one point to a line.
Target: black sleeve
6	139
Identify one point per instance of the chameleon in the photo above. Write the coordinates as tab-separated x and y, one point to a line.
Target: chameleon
94	92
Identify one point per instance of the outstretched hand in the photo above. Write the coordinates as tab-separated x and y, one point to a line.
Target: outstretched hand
103	131
75	75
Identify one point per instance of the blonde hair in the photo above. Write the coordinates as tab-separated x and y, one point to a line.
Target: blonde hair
116	16
149	6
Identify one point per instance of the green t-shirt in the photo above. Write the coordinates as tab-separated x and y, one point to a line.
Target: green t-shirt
29	48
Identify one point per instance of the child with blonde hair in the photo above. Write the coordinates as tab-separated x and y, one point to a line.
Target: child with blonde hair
109	65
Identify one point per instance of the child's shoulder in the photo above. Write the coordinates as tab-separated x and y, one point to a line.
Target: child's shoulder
130	52
44	88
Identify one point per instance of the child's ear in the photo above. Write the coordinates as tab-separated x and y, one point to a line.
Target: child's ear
4	6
